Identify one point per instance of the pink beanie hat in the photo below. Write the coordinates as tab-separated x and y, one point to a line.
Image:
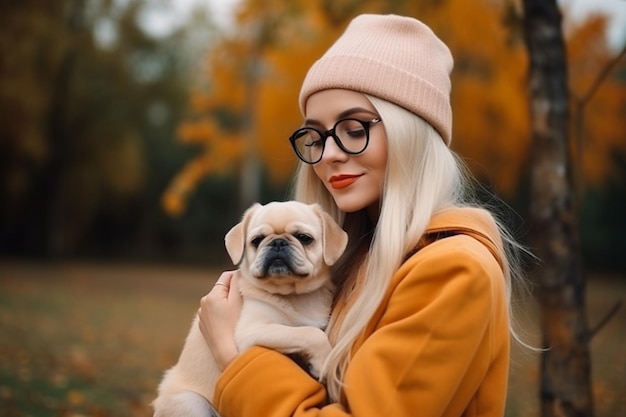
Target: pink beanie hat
398	59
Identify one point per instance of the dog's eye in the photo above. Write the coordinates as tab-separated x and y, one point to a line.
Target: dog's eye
257	241
304	238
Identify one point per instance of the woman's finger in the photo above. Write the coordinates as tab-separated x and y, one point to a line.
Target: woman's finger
221	288
234	297
218	315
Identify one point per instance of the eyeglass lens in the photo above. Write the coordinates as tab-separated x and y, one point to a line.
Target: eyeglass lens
351	133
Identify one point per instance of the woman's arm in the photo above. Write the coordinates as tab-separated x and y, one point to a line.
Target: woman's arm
427	351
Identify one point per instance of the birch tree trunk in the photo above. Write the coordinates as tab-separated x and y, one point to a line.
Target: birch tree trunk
566	366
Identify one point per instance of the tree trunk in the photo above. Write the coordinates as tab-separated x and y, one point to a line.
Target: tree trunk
566	365
250	189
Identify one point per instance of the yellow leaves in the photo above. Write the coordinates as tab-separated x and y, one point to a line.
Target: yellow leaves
490	98
490	116
175	197
173	202
468	28
227	152
598	115
587	53
200	102
220	154
249	103
197	132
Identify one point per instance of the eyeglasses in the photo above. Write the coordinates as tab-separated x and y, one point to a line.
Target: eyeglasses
351	135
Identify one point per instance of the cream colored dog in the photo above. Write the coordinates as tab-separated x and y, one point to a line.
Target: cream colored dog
284	251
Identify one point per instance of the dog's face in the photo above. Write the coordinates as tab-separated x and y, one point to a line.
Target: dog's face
286	247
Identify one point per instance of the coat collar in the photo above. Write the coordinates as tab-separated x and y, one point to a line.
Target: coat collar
475	222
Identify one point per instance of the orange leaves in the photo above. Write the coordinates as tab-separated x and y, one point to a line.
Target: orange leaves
490	110
223	156
200	102
215	129
249	106
599	110
174	198
253	76
197	132
489	95
587	53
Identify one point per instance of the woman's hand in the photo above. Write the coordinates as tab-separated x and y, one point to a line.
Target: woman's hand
218	313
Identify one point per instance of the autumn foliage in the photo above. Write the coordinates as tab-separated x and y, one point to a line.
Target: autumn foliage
248	103
601	127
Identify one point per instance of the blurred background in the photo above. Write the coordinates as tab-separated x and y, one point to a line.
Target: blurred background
139	129
133	133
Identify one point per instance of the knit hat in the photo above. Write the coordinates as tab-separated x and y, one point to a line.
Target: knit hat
398	59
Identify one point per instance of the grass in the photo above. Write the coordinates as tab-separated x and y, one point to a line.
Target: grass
94	340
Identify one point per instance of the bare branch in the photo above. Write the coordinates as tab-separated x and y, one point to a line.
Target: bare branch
581	101
608	316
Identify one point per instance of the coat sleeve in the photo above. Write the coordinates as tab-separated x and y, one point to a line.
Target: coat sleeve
424	352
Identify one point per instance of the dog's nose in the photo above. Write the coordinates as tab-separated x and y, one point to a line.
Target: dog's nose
278	244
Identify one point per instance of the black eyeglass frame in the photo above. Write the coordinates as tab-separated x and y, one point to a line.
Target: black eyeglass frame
367	124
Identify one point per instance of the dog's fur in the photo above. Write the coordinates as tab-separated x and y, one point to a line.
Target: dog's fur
284	251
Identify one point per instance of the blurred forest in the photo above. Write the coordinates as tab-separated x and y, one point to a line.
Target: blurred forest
117	143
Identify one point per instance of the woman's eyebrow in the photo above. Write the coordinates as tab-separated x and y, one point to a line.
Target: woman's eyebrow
343	114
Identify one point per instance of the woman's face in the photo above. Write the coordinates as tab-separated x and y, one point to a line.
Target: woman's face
354	181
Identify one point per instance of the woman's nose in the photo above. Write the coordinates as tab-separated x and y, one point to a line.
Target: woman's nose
332	152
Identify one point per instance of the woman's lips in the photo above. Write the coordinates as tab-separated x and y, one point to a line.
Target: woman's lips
342	181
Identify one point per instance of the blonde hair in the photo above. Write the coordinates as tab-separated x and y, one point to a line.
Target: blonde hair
423	176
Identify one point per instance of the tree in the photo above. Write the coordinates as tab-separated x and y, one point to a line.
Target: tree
599	98
566	364
75	123
243	116
490	127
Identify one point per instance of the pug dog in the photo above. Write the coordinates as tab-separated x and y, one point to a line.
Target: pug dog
284	251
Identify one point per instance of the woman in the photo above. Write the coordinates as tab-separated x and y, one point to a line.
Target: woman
420	324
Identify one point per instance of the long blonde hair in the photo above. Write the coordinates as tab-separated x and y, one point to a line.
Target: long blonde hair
423	176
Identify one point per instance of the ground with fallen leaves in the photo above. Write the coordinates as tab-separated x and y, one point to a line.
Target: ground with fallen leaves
94	339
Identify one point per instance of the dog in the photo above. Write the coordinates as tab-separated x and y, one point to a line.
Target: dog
284	251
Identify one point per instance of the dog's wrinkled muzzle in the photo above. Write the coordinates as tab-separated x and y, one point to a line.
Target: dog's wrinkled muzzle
278	258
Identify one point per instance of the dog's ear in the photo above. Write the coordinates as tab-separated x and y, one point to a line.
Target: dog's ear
235	239
334	238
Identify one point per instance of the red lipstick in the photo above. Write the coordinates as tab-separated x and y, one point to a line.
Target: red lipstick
342	181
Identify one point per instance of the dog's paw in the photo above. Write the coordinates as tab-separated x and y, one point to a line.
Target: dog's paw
314	371
317	357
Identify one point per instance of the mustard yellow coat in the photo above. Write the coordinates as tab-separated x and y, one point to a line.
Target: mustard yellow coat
438	346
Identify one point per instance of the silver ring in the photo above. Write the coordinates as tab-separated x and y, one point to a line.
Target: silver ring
221	283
